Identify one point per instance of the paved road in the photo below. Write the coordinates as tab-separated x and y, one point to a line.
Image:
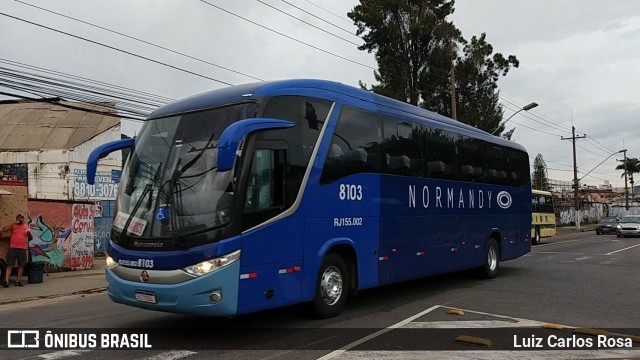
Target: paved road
576	280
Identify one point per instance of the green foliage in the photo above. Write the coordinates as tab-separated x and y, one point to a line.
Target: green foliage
415	47
632	166
540	178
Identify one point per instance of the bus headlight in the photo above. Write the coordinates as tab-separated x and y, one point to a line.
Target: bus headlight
208	266
111	263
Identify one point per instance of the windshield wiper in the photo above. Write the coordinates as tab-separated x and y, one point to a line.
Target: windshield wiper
148	187
176	191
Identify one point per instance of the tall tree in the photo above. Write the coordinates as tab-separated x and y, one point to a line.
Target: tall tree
407	37
632	167
540	178
477	91
416	47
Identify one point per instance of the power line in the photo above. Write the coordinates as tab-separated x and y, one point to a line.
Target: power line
140	40
606	147
328	11
321	19
142	94
589	151
534	129
534	120
532	113
25	76
308	23
289	37
116	49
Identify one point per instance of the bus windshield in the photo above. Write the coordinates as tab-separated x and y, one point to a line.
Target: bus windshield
174	163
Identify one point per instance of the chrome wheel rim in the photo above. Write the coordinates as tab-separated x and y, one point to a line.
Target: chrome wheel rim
331	285
492	258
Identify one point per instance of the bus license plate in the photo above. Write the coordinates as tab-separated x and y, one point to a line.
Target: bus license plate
146	296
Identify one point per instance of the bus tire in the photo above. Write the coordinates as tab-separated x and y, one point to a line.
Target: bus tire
332	287
491	260
537	239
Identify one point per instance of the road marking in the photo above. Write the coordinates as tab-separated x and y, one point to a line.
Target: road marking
343	349
561	242
627	248
558	252
282	353
584	258
507	321
471	324
494	354
171	355
62	354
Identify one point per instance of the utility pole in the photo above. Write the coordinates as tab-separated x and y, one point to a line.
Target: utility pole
575	172
452	82
626	187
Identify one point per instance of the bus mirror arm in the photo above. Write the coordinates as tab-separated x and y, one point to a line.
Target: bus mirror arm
102	151
234	133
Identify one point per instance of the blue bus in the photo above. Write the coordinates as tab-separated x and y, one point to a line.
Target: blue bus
263	195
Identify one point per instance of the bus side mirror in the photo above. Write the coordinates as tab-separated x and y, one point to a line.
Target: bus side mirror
234	133
102	151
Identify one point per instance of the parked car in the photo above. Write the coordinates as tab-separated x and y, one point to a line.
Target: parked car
629	226
607	225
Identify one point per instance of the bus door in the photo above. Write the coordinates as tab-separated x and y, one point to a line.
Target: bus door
267	254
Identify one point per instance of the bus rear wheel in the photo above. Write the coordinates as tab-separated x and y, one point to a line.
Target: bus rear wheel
491	261
332	287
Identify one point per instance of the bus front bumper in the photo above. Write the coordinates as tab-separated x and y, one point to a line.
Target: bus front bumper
197	296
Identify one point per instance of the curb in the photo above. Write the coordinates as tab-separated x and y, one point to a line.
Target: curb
81	292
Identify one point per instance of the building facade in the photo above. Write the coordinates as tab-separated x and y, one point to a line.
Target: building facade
43	153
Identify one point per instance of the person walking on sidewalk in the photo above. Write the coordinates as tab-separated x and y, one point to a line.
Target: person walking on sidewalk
18	248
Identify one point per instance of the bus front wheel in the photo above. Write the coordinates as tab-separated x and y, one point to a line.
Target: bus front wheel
491	260
332	287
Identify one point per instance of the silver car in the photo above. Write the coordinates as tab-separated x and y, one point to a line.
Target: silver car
629	226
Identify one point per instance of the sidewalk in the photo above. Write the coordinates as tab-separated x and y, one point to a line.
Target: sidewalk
58	284
572	229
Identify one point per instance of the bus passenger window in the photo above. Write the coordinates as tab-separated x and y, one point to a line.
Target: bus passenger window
356	146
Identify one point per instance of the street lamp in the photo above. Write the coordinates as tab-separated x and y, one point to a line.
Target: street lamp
525	108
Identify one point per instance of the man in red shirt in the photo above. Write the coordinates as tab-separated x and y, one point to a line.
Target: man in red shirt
18	248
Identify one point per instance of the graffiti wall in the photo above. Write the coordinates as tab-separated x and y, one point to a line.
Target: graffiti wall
590	213
62	234
51	228
81	253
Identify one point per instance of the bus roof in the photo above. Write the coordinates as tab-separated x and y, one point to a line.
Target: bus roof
293	87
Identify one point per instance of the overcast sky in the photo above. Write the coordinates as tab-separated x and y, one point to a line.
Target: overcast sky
578	56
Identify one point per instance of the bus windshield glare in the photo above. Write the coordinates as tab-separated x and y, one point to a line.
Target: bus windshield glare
172	165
